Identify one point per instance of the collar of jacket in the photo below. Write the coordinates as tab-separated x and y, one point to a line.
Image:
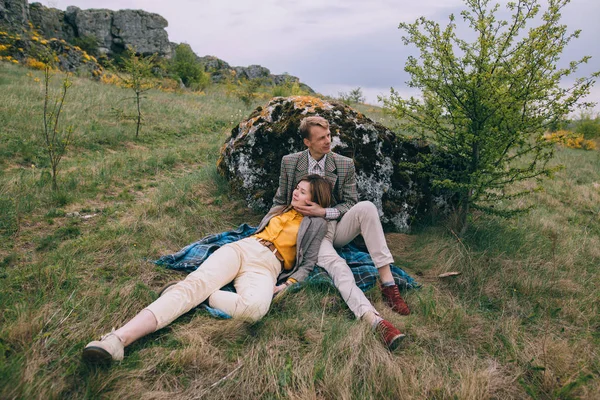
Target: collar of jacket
330	167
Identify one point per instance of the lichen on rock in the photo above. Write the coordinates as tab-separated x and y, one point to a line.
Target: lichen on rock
389	168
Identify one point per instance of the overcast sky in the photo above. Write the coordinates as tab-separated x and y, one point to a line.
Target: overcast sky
331	45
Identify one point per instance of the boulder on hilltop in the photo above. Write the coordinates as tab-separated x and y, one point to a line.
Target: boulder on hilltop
113	30
390	169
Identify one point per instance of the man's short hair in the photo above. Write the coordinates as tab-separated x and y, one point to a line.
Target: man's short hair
309	122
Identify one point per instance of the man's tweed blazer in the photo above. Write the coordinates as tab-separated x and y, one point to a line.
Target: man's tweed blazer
339	171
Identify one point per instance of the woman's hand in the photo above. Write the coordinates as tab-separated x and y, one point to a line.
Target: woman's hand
279	288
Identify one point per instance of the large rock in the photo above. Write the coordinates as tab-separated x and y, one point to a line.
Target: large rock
220	71
142	30
252	72
50	22
213	64
14	14
94	23
115	30
389	169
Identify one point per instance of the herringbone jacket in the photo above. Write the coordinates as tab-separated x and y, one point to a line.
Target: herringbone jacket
339	171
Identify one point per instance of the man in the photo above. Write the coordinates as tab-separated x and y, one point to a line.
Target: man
346	220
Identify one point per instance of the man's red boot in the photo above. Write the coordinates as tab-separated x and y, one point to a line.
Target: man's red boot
390	336
392	297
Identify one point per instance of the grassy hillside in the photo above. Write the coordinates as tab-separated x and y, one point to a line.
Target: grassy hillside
521	321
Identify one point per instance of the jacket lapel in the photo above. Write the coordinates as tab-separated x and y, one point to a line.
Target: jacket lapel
330	170
304	227
301	168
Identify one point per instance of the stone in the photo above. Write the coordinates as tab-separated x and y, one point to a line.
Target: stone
50	22
142	30
113	30
252	72
284	79
95	23
213	64
220	71
390	169
14	14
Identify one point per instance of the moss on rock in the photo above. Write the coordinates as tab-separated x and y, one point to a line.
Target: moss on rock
391	171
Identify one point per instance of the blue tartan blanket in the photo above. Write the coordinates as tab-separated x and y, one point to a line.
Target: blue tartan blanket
365	273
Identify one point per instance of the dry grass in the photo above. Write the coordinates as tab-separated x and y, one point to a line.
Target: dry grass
522	320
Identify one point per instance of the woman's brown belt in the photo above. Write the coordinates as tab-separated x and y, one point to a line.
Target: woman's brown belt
273	249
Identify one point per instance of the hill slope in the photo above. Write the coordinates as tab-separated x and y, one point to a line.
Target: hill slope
522	320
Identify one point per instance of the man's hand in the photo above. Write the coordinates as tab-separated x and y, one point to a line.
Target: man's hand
312	209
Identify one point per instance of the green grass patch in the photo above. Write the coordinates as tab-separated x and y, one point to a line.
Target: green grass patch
520	321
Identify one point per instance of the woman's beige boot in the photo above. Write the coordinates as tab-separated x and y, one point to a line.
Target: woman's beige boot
110	347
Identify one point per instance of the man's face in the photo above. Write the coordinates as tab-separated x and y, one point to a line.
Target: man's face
318	142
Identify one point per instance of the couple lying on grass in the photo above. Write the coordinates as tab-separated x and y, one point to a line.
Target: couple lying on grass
315	210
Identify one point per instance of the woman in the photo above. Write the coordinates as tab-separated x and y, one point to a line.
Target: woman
285	245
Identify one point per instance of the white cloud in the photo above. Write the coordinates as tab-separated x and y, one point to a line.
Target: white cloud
242	32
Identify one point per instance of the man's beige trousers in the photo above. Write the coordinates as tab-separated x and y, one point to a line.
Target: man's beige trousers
362	218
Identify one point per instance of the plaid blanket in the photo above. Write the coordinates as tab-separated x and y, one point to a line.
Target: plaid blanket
365	273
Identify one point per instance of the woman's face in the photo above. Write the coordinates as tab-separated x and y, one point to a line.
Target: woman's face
301	194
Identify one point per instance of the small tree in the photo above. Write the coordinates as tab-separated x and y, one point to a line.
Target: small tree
187	67
56	138
587	124
355	96
248	90
487	103
138	76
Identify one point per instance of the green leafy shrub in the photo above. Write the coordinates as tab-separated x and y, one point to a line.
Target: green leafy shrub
354	97
588	125
186	66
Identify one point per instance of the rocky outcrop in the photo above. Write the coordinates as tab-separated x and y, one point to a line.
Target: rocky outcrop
50	22
92	23
14	14
252	72
221	70
390	170
113	30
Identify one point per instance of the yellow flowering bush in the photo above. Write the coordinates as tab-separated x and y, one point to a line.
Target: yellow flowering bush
35	64
111	79
570	139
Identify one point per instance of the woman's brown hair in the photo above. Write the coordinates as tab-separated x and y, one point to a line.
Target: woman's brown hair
320	190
